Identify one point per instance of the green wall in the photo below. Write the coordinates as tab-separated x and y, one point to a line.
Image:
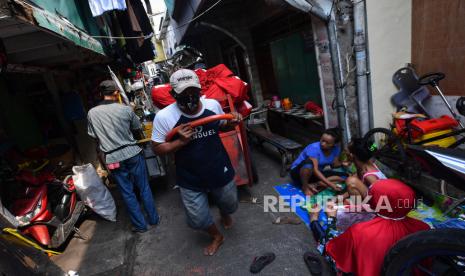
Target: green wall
295	69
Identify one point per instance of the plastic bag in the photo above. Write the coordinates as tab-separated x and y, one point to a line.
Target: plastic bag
90	188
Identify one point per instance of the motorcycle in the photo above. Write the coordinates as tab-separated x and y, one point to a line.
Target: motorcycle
443	248
46	208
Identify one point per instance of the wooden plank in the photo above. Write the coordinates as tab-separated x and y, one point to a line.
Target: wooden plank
438	41
275	139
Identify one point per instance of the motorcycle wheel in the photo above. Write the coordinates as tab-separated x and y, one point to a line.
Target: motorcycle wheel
442	249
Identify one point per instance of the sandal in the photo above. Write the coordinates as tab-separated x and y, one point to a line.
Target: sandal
313	262
259	263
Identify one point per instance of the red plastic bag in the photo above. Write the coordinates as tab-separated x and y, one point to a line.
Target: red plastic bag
217	82
234	86
161	96
219	71
215	92
244	108
313	107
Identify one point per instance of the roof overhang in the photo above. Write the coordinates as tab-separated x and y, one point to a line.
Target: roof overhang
34	37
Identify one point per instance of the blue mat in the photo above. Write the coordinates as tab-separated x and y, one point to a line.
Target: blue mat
293	192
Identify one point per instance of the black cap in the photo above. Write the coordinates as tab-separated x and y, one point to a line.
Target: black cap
108	87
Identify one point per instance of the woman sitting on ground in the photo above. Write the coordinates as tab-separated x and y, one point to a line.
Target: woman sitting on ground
361	249
307	170
367	171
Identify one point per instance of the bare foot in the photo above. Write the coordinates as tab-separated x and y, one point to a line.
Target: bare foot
227	221
309	189
307	192
211	249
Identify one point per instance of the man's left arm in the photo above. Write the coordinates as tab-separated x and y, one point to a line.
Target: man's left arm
90	128
227	124
230	124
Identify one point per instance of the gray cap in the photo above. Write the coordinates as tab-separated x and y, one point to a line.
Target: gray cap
184	78
108	86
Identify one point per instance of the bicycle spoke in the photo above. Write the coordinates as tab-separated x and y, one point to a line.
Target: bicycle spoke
425	270
453	263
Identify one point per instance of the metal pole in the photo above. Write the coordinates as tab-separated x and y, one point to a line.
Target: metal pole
361	63
338	79
456	117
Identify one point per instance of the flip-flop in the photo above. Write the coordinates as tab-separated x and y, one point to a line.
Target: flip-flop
313	262
260	262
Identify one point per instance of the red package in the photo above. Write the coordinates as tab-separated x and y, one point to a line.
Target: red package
161	96
313	107
244	108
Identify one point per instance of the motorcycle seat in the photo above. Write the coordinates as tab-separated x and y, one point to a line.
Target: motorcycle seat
26	205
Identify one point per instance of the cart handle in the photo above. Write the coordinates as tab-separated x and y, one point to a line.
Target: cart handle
199	122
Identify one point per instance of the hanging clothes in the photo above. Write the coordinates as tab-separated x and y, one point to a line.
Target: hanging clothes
134	22
98	7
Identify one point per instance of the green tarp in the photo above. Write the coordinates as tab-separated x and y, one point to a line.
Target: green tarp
70	19
76	12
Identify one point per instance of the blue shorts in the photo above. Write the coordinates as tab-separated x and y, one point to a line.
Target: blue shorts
197	207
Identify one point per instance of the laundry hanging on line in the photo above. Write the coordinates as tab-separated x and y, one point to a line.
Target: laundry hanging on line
98	7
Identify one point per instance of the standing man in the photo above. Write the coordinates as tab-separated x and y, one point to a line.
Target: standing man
202	164
112	123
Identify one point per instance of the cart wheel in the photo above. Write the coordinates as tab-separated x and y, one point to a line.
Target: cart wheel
440	251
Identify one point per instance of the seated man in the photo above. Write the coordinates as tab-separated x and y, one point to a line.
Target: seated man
307	170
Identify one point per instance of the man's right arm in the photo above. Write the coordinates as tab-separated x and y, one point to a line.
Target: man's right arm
184	137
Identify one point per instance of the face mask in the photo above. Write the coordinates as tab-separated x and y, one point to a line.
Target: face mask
189	102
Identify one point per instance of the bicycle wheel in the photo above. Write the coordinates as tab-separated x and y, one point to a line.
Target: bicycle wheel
384	144
433	252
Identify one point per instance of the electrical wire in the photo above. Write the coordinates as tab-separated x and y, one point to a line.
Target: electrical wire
177	28
200	15
151	34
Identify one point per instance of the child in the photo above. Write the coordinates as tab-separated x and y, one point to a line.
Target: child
367	172
307	170
361	249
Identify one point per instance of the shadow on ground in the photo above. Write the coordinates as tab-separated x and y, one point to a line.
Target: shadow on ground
174	249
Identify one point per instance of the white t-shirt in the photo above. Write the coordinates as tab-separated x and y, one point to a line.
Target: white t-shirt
170	116
203	164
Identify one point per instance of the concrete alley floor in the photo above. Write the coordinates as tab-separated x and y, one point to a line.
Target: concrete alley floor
172	248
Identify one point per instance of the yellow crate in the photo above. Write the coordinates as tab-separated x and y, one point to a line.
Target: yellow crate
442	143
147	128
